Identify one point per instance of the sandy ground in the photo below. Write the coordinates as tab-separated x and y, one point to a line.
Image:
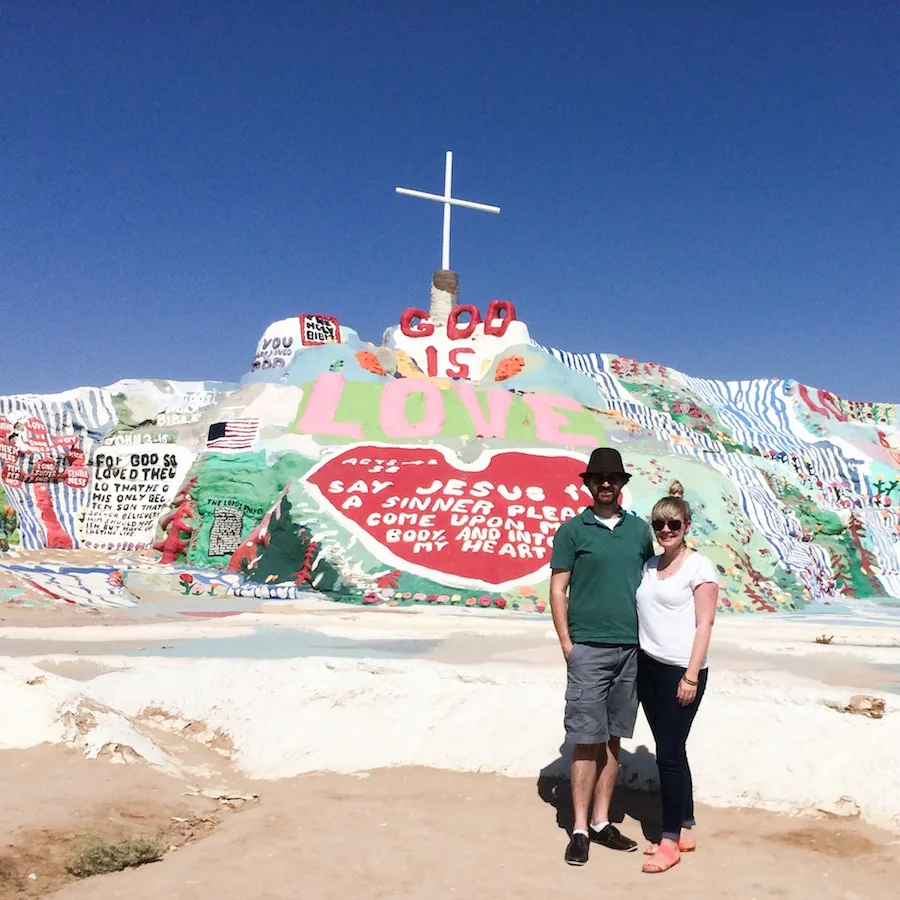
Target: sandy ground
399	833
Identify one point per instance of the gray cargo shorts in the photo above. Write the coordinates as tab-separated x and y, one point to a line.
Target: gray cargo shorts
601	693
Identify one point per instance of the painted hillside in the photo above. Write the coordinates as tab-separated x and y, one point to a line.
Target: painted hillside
435	467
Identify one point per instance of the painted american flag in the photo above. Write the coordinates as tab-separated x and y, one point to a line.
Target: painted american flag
238	434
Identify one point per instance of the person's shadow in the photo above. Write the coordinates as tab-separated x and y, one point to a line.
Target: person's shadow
554	787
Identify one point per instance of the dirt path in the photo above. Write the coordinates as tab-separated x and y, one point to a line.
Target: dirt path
399	833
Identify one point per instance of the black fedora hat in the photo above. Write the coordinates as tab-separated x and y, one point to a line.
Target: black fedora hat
606	461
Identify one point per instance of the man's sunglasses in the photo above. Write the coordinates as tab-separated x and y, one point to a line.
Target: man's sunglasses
671	524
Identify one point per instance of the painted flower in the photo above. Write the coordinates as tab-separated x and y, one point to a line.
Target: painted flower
369	361
186	578
508	367
418	596
431	598
500	603
484	600
443	598
526	590
455	598
540	607
371	597
470	601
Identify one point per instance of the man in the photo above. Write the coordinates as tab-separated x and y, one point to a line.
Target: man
598	556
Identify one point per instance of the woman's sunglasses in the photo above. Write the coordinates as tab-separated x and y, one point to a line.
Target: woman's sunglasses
671	524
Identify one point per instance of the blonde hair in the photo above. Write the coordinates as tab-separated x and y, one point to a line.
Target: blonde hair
674	505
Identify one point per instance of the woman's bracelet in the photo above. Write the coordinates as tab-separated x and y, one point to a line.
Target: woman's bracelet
687	680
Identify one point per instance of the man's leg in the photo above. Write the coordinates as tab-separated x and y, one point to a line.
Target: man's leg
584	779
621	704
607	773
588	731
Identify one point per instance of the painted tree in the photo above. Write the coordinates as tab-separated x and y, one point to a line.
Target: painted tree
9	522
179	526
305	573
245	557
867	561
281	556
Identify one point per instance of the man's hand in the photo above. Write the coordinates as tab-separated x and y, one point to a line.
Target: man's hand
567	646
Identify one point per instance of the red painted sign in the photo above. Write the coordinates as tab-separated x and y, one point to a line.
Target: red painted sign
77	476
11	475
489	523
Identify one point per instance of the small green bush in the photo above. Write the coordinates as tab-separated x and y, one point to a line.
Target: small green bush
98	857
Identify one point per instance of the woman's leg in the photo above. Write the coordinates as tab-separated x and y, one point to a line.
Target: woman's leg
673	726
689	821
647	687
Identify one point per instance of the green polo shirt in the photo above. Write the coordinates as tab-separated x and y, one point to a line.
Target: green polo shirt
606	566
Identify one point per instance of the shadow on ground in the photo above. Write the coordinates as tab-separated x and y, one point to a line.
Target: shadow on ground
635	768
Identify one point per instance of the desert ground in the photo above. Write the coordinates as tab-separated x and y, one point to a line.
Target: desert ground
293	757
404	833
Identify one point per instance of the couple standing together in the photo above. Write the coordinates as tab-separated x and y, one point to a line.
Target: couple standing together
635	627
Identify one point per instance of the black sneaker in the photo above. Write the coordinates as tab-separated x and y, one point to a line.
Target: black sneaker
611	837
577	851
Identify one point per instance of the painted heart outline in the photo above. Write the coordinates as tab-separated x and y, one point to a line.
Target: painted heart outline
485	524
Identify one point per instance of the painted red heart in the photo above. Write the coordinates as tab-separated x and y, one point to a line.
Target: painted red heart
484	524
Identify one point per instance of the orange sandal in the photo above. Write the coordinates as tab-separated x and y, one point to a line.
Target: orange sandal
671	858
683	847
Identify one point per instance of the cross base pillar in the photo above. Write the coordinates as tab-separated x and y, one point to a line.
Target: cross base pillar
444	295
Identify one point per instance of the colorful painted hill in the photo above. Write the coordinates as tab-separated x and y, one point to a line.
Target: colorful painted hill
435	468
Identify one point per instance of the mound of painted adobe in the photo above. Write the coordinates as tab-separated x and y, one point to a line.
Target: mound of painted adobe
435	468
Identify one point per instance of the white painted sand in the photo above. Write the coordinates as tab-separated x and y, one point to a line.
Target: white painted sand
764	737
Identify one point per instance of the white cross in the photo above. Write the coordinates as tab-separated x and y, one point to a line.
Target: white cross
448	201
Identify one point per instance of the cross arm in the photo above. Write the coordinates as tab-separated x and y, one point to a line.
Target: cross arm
451	200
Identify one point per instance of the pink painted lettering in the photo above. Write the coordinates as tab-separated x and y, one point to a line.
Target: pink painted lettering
499	403
322	406
394	422
548	420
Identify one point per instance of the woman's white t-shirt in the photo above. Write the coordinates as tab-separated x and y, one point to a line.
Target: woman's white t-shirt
665	607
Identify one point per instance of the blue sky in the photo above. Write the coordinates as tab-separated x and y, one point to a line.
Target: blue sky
708	185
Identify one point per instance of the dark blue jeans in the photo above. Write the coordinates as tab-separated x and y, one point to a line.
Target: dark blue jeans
670	723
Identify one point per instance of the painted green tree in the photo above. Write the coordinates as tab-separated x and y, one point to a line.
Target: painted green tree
9	524
287	553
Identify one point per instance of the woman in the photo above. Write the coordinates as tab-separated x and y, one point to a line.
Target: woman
676	604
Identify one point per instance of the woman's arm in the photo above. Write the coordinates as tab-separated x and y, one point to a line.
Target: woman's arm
706	596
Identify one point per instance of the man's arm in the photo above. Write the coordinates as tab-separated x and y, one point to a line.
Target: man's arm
562	561
649	551
559	602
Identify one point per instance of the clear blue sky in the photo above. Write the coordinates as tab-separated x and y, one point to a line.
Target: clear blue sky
709	185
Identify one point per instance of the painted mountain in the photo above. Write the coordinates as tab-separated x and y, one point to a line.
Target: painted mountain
436	466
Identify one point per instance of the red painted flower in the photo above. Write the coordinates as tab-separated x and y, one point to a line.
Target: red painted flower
186	578
500	603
